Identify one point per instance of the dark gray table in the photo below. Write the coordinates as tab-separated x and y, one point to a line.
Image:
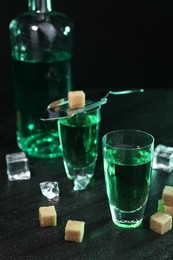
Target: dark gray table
21	236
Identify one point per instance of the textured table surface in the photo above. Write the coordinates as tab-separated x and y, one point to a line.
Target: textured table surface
21	236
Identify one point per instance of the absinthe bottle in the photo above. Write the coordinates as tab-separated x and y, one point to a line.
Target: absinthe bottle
42	51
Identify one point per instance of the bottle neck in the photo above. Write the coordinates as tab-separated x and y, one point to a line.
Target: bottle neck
40	6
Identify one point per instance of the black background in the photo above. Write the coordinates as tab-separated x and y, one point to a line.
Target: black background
118	44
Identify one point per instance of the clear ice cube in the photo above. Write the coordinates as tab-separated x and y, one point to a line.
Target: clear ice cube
163	158
17	166
50	189
81	182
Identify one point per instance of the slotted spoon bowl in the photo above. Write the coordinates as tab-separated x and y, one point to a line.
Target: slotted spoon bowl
60	109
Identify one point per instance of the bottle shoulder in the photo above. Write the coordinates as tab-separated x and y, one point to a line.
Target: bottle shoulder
34	18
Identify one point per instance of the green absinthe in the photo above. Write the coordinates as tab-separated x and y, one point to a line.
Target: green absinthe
41	50
127	184
79	138
36	85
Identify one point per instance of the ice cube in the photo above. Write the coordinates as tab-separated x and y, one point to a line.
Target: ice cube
17	166
50	189
163	158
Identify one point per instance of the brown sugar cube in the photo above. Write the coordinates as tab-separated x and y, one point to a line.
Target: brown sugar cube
160	223
168	210
74	231
164	208
76	99
47	216
167	195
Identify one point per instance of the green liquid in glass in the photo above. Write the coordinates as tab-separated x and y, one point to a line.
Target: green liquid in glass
127	183
79	137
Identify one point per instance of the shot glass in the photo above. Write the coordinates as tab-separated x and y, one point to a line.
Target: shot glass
79	139
127	160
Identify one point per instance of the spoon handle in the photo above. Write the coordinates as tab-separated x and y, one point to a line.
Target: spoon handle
124	92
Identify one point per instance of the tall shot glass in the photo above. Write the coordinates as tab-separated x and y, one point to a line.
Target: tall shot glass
79	138
127	159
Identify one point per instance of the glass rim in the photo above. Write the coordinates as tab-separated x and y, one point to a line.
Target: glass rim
92	109
84	113
128	130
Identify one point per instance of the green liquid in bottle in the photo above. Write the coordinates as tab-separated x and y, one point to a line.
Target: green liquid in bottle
42	52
